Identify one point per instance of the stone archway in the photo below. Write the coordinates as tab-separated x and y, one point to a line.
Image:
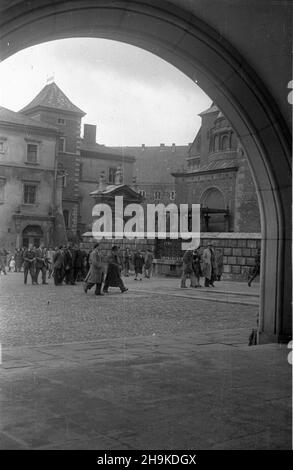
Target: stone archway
32	235
213	198
214	213
179	37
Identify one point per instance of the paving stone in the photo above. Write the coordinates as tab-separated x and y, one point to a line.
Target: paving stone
154	372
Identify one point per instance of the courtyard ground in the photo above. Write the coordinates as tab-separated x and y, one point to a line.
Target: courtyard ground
156	368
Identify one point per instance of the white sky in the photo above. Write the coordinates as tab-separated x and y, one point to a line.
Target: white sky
132	96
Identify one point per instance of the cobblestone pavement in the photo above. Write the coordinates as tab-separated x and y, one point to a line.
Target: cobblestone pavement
155	368
31	315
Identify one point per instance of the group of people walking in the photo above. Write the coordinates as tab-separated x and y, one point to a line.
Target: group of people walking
109	273
66	263
70	263
100	272
206	263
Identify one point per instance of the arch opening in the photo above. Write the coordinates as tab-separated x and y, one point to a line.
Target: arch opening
32	235
220	70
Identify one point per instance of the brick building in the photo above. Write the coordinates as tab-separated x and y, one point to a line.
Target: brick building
30	183
153	169
82	160
218	177
99	165
212	171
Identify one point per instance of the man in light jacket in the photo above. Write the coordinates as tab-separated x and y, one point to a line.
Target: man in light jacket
95	275
208	266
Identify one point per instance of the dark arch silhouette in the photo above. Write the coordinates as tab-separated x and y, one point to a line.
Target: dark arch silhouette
177	36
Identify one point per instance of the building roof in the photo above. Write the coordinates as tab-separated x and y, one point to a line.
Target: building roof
154	164
217	166
11	117
212	109
51	96
99	151
114	188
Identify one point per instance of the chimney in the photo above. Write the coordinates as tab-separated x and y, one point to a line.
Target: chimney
162	147
118	176
173	147
101	184
89	133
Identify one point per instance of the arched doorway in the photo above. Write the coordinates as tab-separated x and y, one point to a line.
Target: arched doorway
32	235
214	214
176	35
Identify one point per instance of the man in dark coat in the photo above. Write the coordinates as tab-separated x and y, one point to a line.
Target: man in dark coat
219	264
41	264
69	260
58	266
148	263
138	262
113	278
96	271
196	269
29	264
78	264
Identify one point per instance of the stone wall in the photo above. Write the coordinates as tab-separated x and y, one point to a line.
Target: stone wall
247	216
238	249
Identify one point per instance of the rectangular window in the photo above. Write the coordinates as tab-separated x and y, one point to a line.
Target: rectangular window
1	147
157	195
61	121
62	144
111	175
32	153
172	195
29	193
2	186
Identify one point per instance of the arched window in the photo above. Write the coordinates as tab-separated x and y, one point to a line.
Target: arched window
216	143
213	199
225	142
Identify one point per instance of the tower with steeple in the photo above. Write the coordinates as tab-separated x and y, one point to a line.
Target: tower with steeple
52	106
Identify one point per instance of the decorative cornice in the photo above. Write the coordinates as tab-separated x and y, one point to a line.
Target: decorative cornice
204	172
43	218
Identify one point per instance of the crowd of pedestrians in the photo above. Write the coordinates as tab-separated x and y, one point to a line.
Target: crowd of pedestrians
204	263
69	264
